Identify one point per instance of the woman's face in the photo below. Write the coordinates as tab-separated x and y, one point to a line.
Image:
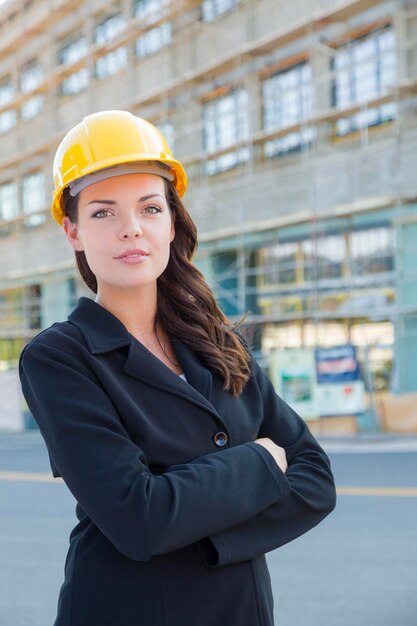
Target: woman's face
118	215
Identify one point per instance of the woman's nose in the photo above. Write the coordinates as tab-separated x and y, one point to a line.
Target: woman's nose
131	235
131	230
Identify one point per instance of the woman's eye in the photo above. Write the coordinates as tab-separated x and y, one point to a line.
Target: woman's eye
100	213
152	210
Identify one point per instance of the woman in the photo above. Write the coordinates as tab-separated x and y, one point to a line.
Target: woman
186	466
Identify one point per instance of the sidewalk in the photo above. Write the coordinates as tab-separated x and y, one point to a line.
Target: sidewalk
360	442
370	442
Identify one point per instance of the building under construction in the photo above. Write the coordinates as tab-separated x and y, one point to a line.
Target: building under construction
297	125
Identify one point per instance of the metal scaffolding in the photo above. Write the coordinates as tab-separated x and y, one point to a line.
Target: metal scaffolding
328	185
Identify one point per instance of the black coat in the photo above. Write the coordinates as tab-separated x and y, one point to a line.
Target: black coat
176	504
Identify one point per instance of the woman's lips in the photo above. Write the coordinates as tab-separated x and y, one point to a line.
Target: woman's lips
133	256
133	259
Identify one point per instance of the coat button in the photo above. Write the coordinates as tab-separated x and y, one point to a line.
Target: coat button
220	439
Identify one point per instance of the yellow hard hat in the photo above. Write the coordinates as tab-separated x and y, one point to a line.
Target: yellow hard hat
104	140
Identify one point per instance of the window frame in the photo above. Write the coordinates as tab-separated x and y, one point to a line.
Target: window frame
303	88
369	117
215	124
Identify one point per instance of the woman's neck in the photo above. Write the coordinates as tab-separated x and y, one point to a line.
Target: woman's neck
136	311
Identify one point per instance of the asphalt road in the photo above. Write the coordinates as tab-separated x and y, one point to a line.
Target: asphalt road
357	568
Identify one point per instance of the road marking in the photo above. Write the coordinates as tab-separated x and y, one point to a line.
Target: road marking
403	492
37	477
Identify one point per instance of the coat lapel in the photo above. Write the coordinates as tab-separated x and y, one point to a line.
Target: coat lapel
145	366
196	374
104	332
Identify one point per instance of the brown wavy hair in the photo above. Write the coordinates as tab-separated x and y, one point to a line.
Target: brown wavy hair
187	309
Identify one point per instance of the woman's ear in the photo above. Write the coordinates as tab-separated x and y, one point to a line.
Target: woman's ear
72	234
173	216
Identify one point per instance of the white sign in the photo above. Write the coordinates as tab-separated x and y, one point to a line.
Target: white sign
11	417
346	398
293	374
318	387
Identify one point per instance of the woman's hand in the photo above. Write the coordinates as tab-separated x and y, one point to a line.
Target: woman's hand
277	452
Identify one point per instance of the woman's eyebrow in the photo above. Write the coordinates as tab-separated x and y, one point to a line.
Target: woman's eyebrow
151	195
102	201
142	199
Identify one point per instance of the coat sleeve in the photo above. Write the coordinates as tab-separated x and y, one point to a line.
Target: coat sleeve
140	513
313	493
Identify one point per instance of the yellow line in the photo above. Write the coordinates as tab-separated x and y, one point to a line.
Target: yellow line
403	492
37	477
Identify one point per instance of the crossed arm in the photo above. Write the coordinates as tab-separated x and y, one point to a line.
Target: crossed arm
234	503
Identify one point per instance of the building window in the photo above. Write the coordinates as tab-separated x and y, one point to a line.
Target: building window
156	38
7	121
288	100
33	305
279	263
7	94
226	122
33	198
365	69
30	79
8	201
372	251
167	129
113	61
11	311
153	40
109	28
324	258
31	108
75	82
71	53
8	206
7	91
210	9
149	10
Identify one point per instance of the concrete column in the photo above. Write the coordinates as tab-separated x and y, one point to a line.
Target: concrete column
404	29
56	300
405	363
